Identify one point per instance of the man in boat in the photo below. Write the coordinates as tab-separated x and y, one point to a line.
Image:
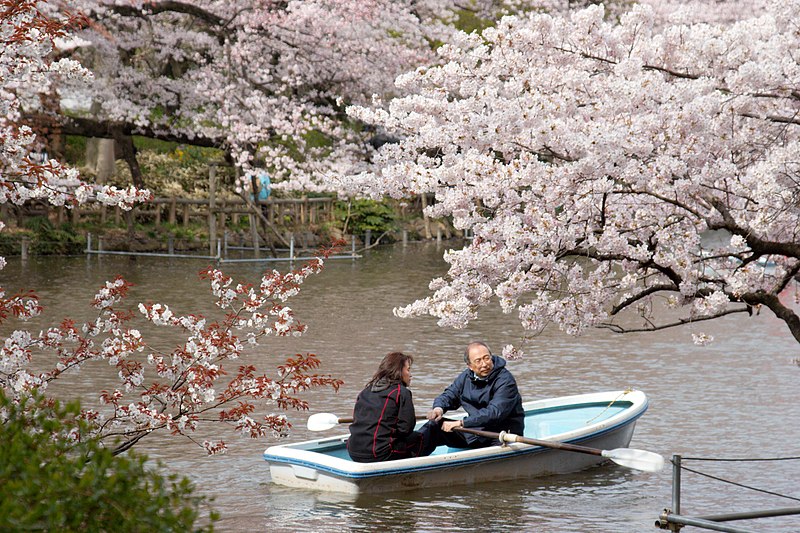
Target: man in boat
383	417
488	392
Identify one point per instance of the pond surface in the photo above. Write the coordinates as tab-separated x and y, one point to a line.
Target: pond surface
737	398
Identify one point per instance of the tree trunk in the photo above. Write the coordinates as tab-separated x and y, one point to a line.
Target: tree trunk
128	152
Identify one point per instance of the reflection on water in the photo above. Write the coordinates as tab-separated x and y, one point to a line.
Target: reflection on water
735	398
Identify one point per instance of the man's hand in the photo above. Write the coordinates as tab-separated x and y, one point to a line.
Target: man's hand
448	425
436	414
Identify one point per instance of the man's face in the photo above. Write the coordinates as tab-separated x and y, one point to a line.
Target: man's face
480	361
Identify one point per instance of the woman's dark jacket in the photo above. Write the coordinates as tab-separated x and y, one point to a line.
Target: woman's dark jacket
383	424
492	404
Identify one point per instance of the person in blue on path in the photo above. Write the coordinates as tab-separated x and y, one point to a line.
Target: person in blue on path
264	184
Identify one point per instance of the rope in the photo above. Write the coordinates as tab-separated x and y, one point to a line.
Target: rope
626	391
740	484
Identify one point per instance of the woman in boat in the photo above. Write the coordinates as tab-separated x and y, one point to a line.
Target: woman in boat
384	417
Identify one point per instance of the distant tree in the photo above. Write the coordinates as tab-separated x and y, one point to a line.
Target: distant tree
267	80
52	482
607	166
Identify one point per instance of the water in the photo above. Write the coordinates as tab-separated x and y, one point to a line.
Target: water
736	398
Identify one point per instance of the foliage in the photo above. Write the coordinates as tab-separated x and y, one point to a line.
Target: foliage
75	150
634	175
48	239
52	482
358	216
181	172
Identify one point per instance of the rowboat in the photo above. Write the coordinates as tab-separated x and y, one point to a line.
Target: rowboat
576	423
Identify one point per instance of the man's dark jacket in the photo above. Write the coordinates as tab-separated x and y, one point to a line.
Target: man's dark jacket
383	424
492	404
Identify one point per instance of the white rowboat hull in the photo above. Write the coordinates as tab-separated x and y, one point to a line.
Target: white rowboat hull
600	420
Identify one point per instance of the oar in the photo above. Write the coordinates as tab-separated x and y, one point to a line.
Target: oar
325	421
632	458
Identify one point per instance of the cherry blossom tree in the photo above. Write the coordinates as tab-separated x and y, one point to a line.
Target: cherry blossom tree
634	174
160	389
265	79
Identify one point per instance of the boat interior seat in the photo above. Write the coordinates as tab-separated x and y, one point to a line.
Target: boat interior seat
441	450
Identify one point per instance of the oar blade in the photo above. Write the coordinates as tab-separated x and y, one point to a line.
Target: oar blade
637	459
322	421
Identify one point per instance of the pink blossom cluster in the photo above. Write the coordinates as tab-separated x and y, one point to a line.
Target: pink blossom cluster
607	167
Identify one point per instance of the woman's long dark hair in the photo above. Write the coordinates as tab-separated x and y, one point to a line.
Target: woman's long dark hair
391	368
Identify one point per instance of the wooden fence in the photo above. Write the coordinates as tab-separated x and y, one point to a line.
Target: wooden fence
285	212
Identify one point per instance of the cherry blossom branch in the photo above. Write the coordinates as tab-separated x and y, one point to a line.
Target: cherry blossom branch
677	323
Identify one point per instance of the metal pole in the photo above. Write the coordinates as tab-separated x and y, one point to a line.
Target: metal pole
212	217
88	242
291	247
747	515
676	484
24	251
671	518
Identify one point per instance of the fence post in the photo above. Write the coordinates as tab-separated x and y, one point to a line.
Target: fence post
173	204
223	204
254	234
212	219
424	199
88	242
24	252
676	484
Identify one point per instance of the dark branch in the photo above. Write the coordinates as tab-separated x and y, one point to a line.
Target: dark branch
169	6
776	306
88	127
616	328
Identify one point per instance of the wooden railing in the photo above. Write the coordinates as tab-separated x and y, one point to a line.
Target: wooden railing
285	212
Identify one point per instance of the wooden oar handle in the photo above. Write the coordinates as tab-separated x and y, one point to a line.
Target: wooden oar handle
511	437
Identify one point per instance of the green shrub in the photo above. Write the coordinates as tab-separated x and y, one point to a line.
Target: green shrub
51	483
50	240
358	216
